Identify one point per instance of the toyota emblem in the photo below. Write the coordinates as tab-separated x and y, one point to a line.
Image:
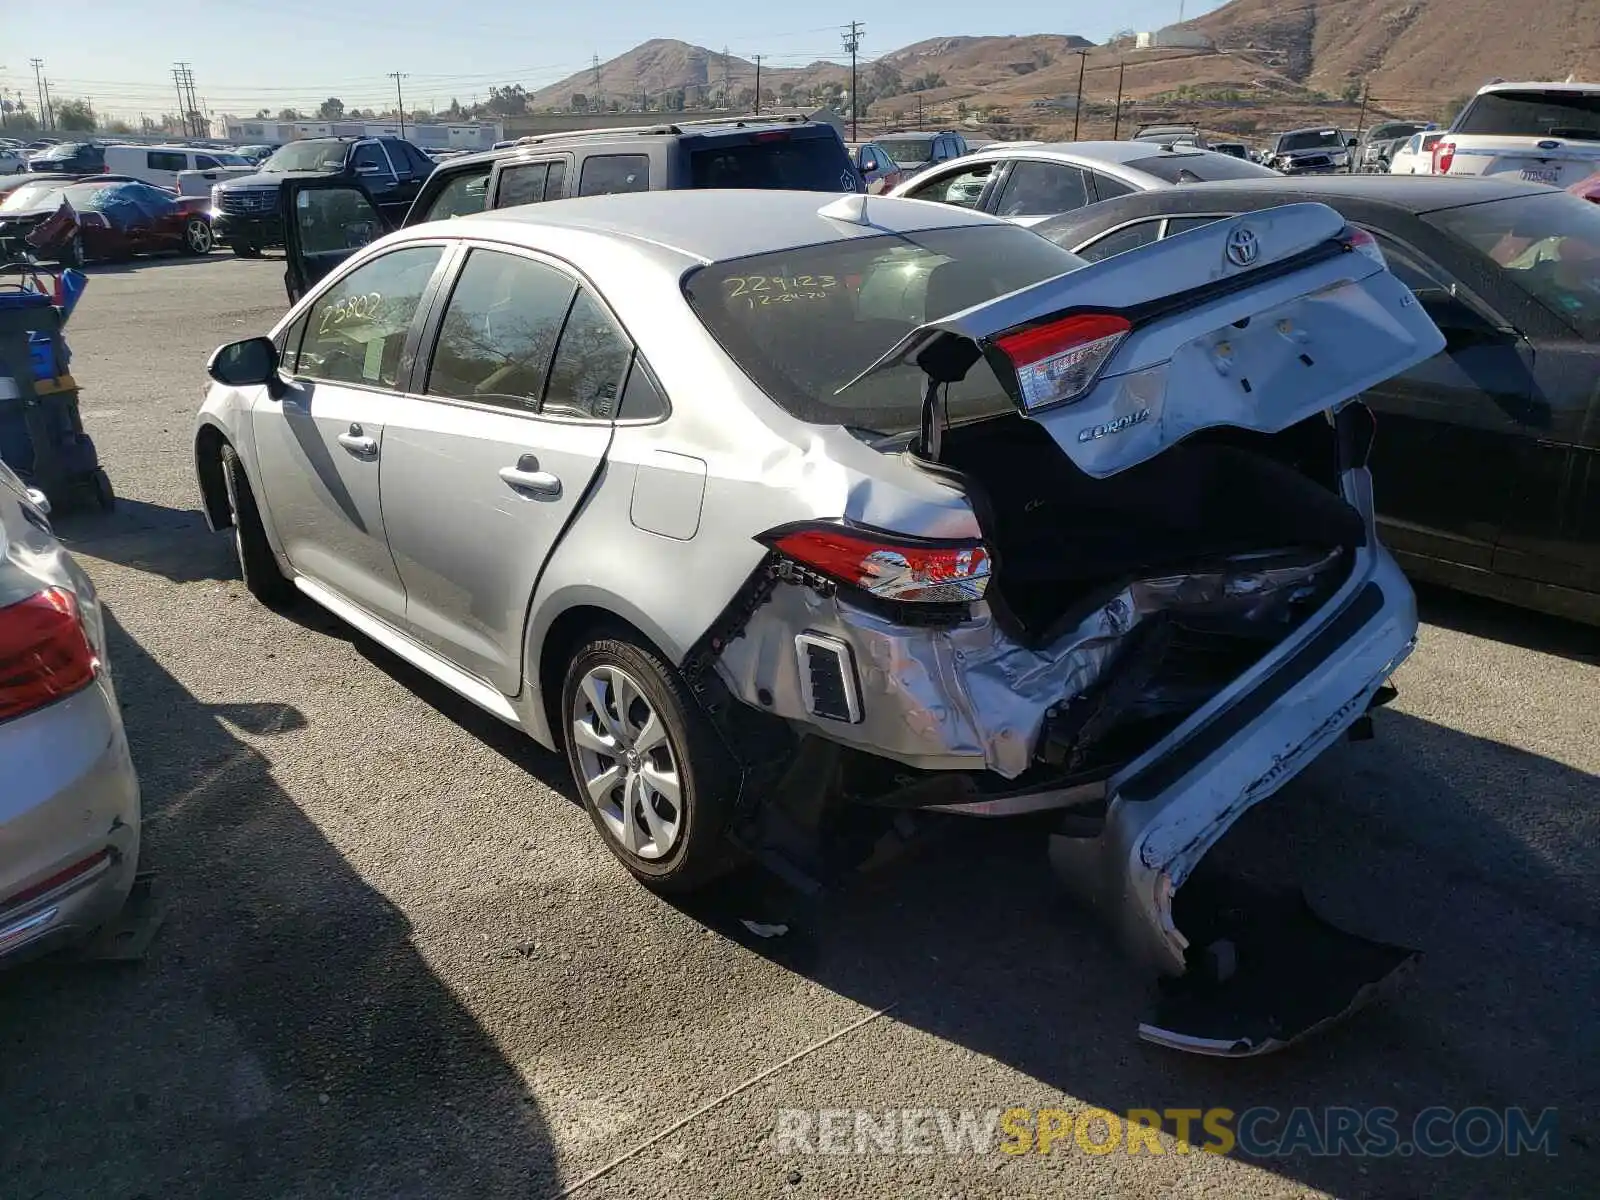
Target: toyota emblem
1243	246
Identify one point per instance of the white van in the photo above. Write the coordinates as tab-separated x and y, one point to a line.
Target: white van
160	165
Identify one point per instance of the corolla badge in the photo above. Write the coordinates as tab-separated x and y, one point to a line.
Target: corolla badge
1095	432
1243	246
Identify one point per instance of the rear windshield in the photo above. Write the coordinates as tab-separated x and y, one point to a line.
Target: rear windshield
1389	133
804	322
807	164
1547	244
908	152
1311	139
1533	114
1199	167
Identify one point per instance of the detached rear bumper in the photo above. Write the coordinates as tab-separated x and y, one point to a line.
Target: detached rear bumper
1167	810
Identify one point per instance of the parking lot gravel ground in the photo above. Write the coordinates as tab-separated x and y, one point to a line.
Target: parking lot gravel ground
396	961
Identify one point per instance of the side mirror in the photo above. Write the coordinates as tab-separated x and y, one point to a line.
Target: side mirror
250	363
1352	143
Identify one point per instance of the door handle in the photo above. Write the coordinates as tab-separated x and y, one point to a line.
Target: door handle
358	443
527	477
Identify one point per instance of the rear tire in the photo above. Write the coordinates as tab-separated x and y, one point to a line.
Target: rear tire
104	495
648	765
257	563
246	250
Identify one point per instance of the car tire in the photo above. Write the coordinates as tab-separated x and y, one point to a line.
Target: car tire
72	252
666	812
197	237
246	250
257	563
105	496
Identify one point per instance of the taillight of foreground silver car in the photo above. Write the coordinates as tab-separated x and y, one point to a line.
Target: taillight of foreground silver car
885	565
1059	362
44	653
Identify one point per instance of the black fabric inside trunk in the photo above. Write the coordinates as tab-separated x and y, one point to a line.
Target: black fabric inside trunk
1059	534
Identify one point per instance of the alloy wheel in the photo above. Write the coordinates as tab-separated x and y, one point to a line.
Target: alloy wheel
627	763
197	236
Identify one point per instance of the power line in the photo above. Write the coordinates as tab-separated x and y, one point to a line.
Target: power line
852	43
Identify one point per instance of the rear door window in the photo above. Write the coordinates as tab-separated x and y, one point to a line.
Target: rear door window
1042	189
1177	225
807	164
962	188
370	159
1533	113
499	331
1119	241
522	184
1107	188
463	195
607	174
590	362
205	162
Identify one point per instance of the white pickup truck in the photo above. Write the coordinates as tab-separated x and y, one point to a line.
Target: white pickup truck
1540	132
200	182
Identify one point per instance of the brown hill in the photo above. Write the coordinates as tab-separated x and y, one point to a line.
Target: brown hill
1412	48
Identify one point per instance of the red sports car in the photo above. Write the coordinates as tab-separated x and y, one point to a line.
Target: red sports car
74	222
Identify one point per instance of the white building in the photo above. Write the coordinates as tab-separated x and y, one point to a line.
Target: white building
466	135
1173	37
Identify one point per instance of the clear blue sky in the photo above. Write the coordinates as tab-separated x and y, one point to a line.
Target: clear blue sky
248	54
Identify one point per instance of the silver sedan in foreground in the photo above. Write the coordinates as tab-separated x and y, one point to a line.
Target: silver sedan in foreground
756	510
69	799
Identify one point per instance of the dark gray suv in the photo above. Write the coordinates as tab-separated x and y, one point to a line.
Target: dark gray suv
768	153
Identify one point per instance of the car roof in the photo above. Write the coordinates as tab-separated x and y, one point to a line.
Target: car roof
1121	153
1415	194
1536	86
713	225
686	129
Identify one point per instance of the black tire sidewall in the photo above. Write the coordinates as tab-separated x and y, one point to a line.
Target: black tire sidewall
258	566
707	787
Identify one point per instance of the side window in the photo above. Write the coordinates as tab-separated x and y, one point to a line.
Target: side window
604	174
356	330
642	398
421	165
590	360
499	331
867	160
556	186
369	160
522	184
1129	237
1042	189
288	344
166	160
205	162
1107	188
1405	267
962	188
463	194
1177	225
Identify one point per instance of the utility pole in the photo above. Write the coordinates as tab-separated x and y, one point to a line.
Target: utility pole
1361	121
1077	108
49	105
758	85
38	83
399	100
1116	121
188	107
727	80
852	43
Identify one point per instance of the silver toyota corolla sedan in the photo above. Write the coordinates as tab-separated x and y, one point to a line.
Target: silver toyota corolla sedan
757	509
69	799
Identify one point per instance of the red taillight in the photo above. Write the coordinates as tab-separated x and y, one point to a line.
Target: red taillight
44	652
889	567
777	135
1363	242
1058	361
1444	153
57	881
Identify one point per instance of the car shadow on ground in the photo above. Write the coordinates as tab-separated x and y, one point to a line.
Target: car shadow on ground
143	262
282	1036
1483	856
173	543
1500	622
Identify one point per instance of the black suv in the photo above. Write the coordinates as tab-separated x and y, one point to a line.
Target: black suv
70	158
337	217
247	211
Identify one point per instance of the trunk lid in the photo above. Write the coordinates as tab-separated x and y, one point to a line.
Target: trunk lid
1257	321
1558	162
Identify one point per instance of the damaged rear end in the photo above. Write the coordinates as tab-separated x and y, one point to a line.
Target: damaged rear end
1155	596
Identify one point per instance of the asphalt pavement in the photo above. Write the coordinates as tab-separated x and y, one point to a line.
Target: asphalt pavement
396	961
